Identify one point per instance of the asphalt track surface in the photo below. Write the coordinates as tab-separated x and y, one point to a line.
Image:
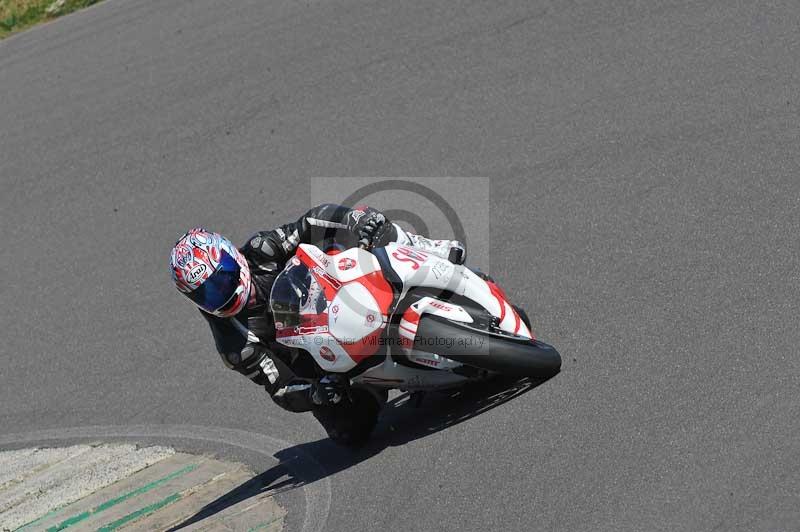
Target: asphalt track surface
644	162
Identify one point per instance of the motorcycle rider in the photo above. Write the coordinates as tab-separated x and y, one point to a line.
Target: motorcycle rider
231	287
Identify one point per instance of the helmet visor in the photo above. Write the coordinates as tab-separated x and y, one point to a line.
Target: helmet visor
220	287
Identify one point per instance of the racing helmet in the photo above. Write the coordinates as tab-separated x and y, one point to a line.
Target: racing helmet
208	269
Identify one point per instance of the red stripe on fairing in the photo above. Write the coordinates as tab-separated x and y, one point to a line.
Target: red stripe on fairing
379	287
375	283
329	285
499	296
411	316
412	331
309	324
499	290
305	258
313	320
364	348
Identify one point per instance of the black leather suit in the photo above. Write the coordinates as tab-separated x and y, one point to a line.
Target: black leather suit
246	342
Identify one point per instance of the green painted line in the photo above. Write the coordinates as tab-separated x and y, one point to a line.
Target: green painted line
142	512
109	503
264	526
38	520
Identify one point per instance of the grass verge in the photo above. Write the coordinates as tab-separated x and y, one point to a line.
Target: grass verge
17	15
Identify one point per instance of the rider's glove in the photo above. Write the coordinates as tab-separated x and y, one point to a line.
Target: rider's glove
367	224
329	390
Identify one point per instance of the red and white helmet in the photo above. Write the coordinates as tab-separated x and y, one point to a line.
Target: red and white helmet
208	269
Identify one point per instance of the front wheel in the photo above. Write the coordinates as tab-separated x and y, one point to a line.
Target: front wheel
503	353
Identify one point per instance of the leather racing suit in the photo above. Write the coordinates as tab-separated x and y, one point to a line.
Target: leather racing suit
246	342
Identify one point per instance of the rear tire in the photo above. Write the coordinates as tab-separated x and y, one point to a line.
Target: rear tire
501	352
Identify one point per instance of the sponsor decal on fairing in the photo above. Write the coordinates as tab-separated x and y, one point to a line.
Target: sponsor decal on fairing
326	353
346	263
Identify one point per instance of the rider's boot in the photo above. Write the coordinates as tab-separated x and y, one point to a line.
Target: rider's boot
350	421
452	250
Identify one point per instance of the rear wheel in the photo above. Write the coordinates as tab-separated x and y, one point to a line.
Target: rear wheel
495	351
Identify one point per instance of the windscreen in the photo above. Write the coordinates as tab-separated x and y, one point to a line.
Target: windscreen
295	292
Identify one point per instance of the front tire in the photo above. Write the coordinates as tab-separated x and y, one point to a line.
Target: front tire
503	353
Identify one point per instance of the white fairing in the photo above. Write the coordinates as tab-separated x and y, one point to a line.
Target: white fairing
390	374
353	314
429	305
335	358
345	266
418	269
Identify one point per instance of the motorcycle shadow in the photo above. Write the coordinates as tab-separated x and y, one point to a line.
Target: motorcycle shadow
410	416
405	418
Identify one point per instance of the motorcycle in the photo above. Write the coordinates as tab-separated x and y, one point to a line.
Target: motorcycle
399	318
